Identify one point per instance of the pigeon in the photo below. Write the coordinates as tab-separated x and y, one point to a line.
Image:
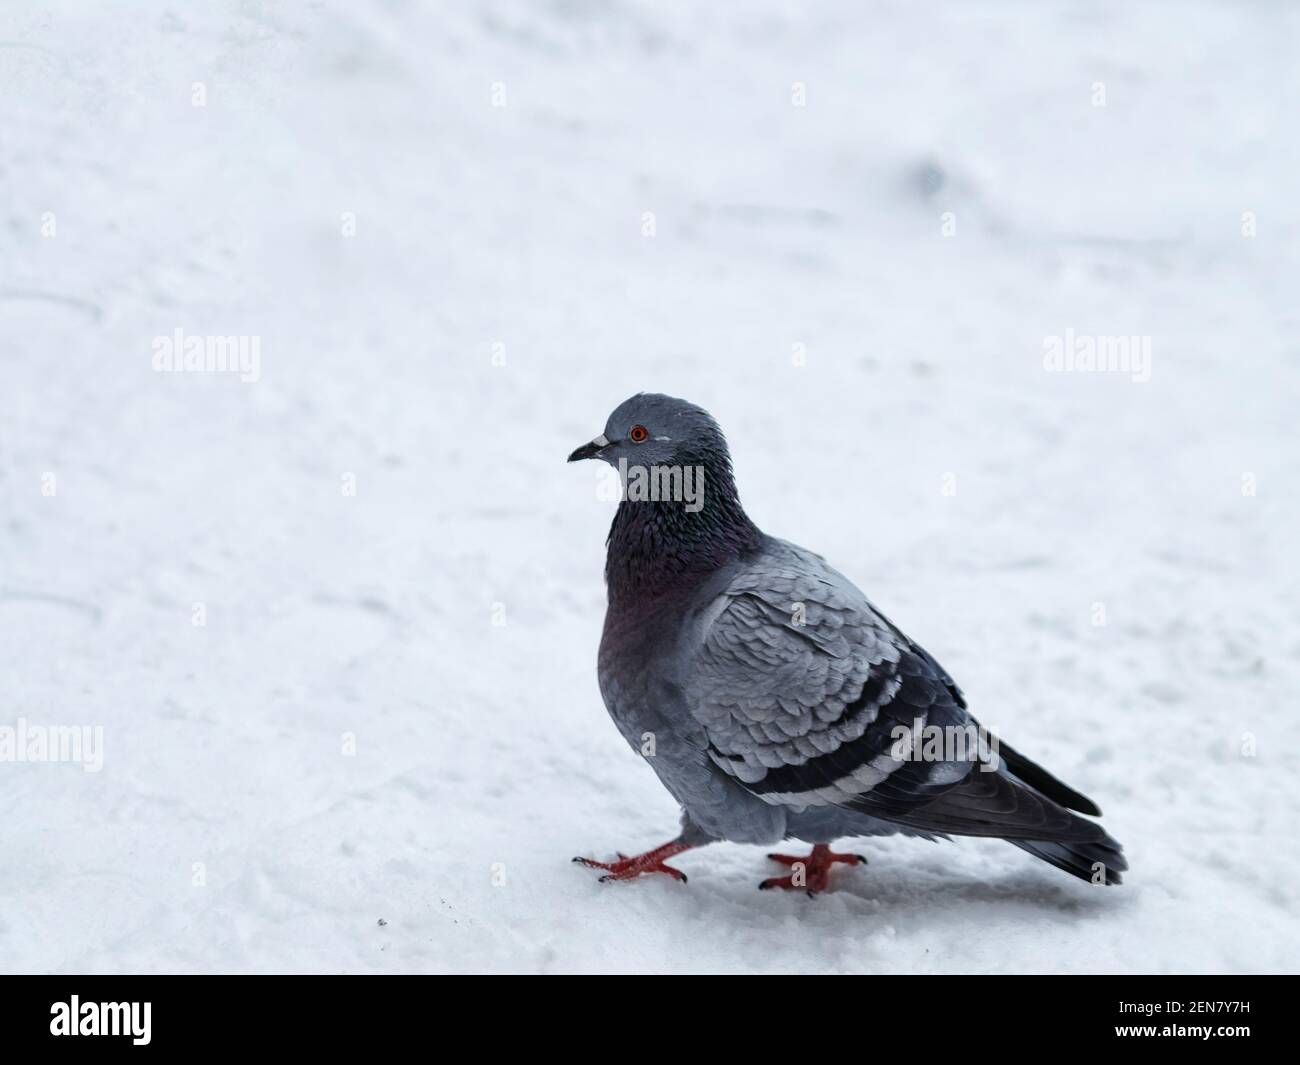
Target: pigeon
771	697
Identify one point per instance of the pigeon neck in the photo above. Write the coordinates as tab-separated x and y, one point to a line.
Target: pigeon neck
656	546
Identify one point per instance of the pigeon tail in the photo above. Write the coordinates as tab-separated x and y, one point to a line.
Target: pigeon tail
998	805
1099	862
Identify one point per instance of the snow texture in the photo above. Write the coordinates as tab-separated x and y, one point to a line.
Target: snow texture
867	225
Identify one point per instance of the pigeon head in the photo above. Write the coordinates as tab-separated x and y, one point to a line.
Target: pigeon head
656	430
661	539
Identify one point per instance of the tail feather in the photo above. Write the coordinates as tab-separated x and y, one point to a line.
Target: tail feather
1038	778
1000	805
1097	863
996	804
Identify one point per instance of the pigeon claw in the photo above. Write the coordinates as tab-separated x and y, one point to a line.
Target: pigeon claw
811	873
630	868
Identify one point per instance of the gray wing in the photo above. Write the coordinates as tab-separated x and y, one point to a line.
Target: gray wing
801	687
803	690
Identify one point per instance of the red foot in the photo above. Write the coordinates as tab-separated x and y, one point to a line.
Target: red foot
809	874
630	868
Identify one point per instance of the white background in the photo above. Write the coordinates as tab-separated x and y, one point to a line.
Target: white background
521	225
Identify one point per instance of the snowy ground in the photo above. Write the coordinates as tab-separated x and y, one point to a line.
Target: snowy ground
228	830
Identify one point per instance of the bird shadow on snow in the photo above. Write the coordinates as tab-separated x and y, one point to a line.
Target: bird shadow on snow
1012	890
868	918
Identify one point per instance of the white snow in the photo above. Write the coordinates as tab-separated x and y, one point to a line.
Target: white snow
229	831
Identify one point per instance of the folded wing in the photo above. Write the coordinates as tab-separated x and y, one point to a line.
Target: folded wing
810	697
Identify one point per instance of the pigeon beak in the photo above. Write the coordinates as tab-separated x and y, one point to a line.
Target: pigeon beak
590	451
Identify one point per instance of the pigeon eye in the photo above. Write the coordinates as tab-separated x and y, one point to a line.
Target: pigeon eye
638	434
